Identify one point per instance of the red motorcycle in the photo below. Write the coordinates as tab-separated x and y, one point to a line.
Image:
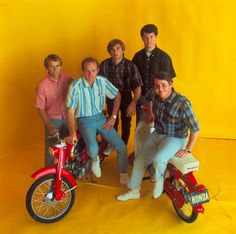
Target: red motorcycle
52	195
186	195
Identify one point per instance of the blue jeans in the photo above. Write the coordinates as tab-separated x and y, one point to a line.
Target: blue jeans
158	149
61	126
90	126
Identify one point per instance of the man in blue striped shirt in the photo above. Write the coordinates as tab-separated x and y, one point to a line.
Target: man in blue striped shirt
86	102
173	118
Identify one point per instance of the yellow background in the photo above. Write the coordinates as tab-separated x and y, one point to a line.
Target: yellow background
199	36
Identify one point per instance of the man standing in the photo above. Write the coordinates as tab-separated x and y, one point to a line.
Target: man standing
86	102
149	62
50	100
173	118
124	75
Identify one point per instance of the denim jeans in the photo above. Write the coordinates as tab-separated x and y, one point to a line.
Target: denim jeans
61	126
90	126
158	149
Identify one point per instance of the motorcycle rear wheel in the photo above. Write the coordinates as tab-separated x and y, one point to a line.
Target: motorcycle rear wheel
186	212
40	202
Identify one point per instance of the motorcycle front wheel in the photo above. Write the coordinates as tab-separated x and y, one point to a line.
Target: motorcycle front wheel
40	202
186	212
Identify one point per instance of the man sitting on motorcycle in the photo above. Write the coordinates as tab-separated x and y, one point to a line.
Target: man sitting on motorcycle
173	118
86	102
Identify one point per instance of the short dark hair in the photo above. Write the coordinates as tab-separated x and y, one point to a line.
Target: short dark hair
115	42
89	60
149	28
52	57
163	75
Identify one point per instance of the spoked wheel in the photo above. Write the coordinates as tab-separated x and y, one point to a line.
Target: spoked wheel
186	212
40	202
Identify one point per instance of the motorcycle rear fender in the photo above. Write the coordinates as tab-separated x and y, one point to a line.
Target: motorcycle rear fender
51	170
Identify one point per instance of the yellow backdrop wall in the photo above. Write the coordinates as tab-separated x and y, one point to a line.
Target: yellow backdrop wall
199	36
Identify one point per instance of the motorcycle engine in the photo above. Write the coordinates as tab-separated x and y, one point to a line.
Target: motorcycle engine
77	168
80	165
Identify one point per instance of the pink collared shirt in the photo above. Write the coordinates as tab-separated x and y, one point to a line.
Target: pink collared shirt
51	95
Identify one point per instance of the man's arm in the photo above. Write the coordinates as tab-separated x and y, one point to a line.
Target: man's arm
44	116
191	141
149	116
72	138
131	109
111	120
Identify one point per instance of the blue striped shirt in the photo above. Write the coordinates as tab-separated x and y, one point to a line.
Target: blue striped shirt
89	100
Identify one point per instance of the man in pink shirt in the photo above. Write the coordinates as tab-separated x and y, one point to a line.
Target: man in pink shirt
50	100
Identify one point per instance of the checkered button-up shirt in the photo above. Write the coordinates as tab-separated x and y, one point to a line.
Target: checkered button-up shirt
174	117
124	76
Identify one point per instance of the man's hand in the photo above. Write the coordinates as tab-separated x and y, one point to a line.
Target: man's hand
131	109
109	124
149	117
52	130
181	153
71	139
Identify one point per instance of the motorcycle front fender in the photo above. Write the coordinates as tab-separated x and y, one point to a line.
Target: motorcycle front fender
51	170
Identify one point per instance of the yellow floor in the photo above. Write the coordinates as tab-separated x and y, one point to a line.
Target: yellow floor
97	211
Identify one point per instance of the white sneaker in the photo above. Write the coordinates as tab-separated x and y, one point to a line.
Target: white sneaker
124	178
158	188
129	195
96	168
108	150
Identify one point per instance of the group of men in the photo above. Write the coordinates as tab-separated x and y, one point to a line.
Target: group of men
124	86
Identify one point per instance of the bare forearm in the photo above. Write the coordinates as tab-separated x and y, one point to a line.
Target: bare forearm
137	94
192	140
44	116
116	104
71	121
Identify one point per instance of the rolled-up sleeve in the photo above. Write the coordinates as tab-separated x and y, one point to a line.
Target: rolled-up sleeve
72	96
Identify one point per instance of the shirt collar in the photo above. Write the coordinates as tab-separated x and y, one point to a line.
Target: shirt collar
172	96
53	79
153	52
86	84
119	64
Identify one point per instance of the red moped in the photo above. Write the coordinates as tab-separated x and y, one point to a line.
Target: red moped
52	195
180	185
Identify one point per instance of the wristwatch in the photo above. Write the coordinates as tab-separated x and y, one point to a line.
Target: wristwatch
114	116
187	150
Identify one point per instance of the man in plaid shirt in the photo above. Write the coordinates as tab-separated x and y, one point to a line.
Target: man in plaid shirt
173	118
124	75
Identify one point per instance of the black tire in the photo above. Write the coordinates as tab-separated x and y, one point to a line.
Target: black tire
40	201
186	212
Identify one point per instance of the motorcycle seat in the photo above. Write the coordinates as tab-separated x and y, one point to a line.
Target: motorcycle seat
185	164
